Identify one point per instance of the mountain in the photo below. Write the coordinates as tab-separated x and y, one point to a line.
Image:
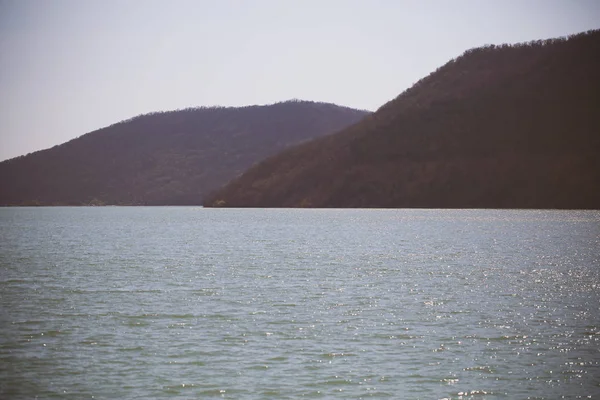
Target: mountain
165	158
509	126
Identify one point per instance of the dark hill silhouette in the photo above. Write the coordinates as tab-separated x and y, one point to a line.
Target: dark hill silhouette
165	158
510	126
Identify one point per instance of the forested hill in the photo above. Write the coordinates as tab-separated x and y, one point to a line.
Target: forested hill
509	126
165	158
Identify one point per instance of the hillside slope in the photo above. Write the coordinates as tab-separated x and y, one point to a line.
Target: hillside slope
510	126
165	158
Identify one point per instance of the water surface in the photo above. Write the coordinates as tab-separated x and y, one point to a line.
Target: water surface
184	302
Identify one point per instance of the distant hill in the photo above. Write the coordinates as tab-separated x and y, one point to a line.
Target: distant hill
165	158
509	126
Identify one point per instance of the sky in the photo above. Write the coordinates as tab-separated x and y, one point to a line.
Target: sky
69	67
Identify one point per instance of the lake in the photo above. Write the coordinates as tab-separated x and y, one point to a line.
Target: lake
186	302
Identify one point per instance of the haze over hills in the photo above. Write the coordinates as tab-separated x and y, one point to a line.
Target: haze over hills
509	126
165	158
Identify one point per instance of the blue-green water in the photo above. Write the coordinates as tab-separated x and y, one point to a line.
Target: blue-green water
187	302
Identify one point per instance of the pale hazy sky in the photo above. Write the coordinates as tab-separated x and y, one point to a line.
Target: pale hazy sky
68	67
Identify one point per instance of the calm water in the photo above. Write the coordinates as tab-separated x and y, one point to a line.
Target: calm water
257	304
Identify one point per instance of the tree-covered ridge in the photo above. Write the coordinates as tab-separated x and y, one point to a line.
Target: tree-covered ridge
509	126
173	157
